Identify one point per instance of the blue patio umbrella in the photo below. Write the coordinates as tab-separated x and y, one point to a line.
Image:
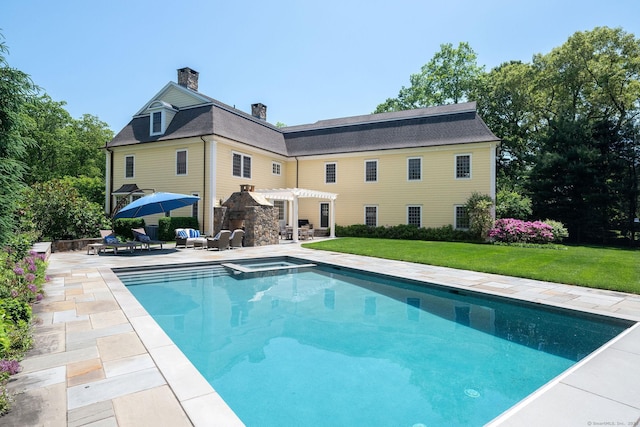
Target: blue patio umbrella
155	203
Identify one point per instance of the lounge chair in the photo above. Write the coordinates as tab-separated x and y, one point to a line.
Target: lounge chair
236	238
188	237
140	235
111	241
220	241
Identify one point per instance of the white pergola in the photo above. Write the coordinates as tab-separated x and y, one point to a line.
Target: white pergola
293	194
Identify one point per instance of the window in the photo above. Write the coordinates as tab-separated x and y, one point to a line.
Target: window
371	171
128	167
461	218
371	216
241	165
414	169
276	168
156	122
181	162
463	166
330	173
414	215
194	207
279	204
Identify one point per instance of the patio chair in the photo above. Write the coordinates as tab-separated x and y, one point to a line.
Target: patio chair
111	241
188	237
236	239
140	235
220	242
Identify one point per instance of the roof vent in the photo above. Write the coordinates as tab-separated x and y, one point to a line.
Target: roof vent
259	111
188	78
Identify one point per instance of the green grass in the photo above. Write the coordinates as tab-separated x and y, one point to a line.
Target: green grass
595	267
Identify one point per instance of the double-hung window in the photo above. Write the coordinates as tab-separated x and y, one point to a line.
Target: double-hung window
414	169
241	165
156	122
181	162
461	218
370	171
194	207
129	167
330	173
371	216
414	215
463	166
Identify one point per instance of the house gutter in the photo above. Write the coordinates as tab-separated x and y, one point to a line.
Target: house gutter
108	182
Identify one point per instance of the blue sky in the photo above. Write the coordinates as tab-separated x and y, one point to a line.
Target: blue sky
306	61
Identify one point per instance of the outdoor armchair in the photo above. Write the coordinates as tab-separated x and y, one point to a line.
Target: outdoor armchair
220	242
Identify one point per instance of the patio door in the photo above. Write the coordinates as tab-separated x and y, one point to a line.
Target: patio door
324	215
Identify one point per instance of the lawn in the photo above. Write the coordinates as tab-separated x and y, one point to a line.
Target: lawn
595	267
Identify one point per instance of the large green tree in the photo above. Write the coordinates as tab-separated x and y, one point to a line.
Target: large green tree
449	77
16	93
62	146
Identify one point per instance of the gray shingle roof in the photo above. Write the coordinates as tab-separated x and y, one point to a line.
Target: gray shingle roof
442	125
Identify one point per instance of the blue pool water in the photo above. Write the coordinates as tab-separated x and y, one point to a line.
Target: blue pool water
328	346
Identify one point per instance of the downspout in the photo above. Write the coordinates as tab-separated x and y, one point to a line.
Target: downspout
108	179
297	171
204	177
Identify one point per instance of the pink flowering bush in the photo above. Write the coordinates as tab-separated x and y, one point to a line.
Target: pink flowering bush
23	279
509	230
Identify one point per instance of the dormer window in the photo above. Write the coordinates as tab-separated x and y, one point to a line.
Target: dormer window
160	115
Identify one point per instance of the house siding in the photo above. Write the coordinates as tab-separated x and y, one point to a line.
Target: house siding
178	98
437	192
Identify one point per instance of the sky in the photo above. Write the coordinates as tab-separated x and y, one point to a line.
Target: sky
307	61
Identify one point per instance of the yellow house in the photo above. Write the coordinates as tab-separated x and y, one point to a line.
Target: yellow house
409	167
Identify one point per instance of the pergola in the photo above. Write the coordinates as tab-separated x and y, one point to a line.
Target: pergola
293	194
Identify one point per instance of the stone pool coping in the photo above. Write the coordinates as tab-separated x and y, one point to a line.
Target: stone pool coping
100	359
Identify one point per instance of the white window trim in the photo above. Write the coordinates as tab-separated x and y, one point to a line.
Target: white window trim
377	170
125	166
279	167
365	213
162	122
455	217
421	174
186	162
335	172
415	206
242	157
455	166
320	204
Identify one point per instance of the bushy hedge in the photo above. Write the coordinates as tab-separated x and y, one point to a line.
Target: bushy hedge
122	226
509	230
405	232
21	283
167	226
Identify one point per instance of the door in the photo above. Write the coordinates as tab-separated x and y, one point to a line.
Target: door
324	215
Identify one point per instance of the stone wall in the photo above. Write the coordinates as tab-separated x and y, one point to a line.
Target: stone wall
258	219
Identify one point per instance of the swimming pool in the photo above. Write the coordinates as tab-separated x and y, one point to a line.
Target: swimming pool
336	346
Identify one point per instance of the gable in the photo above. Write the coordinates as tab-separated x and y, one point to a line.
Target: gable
176	96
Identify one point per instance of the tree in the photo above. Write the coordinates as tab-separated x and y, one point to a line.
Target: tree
16	92
62	146
449	77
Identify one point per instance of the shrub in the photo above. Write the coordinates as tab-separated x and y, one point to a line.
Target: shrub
509	230
59	212
480	218
558	230
511	204
167	226
122	226
405	232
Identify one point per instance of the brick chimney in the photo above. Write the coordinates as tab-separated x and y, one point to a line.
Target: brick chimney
259	111
188	78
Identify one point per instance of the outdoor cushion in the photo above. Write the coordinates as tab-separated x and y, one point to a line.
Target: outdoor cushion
193	233
144	238
183	234
110	239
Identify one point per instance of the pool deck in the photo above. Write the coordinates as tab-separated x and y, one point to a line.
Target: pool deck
100	360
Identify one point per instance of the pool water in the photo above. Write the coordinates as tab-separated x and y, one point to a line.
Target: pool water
328	346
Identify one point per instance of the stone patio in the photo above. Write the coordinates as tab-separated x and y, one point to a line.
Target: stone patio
100	360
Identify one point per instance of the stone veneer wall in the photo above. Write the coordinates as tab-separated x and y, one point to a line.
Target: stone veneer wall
261	225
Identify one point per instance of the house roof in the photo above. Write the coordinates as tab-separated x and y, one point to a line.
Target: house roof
432	126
